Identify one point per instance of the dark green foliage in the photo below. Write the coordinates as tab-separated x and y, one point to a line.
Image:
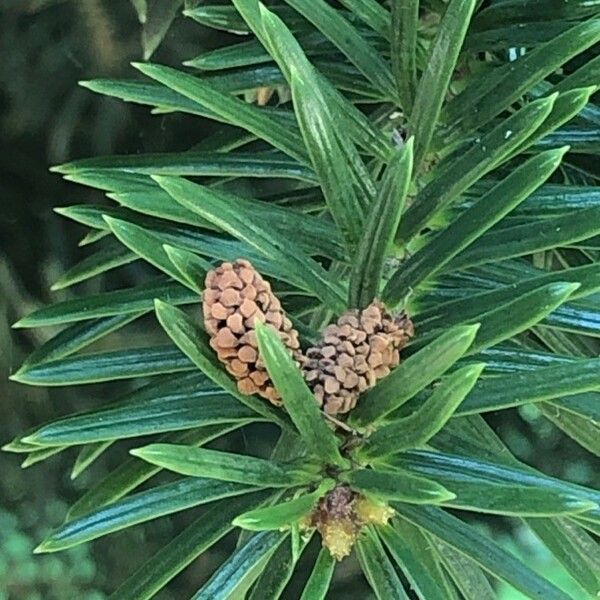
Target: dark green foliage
401	163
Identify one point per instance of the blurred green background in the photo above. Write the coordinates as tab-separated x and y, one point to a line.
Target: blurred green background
46	46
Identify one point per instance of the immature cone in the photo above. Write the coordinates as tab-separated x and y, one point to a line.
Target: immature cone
235	297
335	520
341	514
360	348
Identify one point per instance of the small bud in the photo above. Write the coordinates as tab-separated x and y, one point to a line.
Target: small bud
370	512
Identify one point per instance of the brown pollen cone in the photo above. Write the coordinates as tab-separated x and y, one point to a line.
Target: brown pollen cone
235	297
360	348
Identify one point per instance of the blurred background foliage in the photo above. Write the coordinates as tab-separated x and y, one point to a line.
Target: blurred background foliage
46	47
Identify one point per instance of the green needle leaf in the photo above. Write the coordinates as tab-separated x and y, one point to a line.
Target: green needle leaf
283	515
405	25
284	50
87	455
91	237
434	82
181	402
493	488
19	446
318	583
474	305
329	157
105	179
78	336
508	83
336	162
157	502
147	246
471	224
225	466
413	375
184	548
146	93
169	410
568	105
228	108
378	569
466	574
92	215
298	400
411	550
372	13
315	235
574	549
522	313
141	8
380	228
530	237
105	366
533	386
242	568
280	568
467	540
397	485
349	41
247	227
456	174
156	202
107	258
417	429
39	455
196	164
229	19
516	11
131	473
583	429
156	24
191	267
108	304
